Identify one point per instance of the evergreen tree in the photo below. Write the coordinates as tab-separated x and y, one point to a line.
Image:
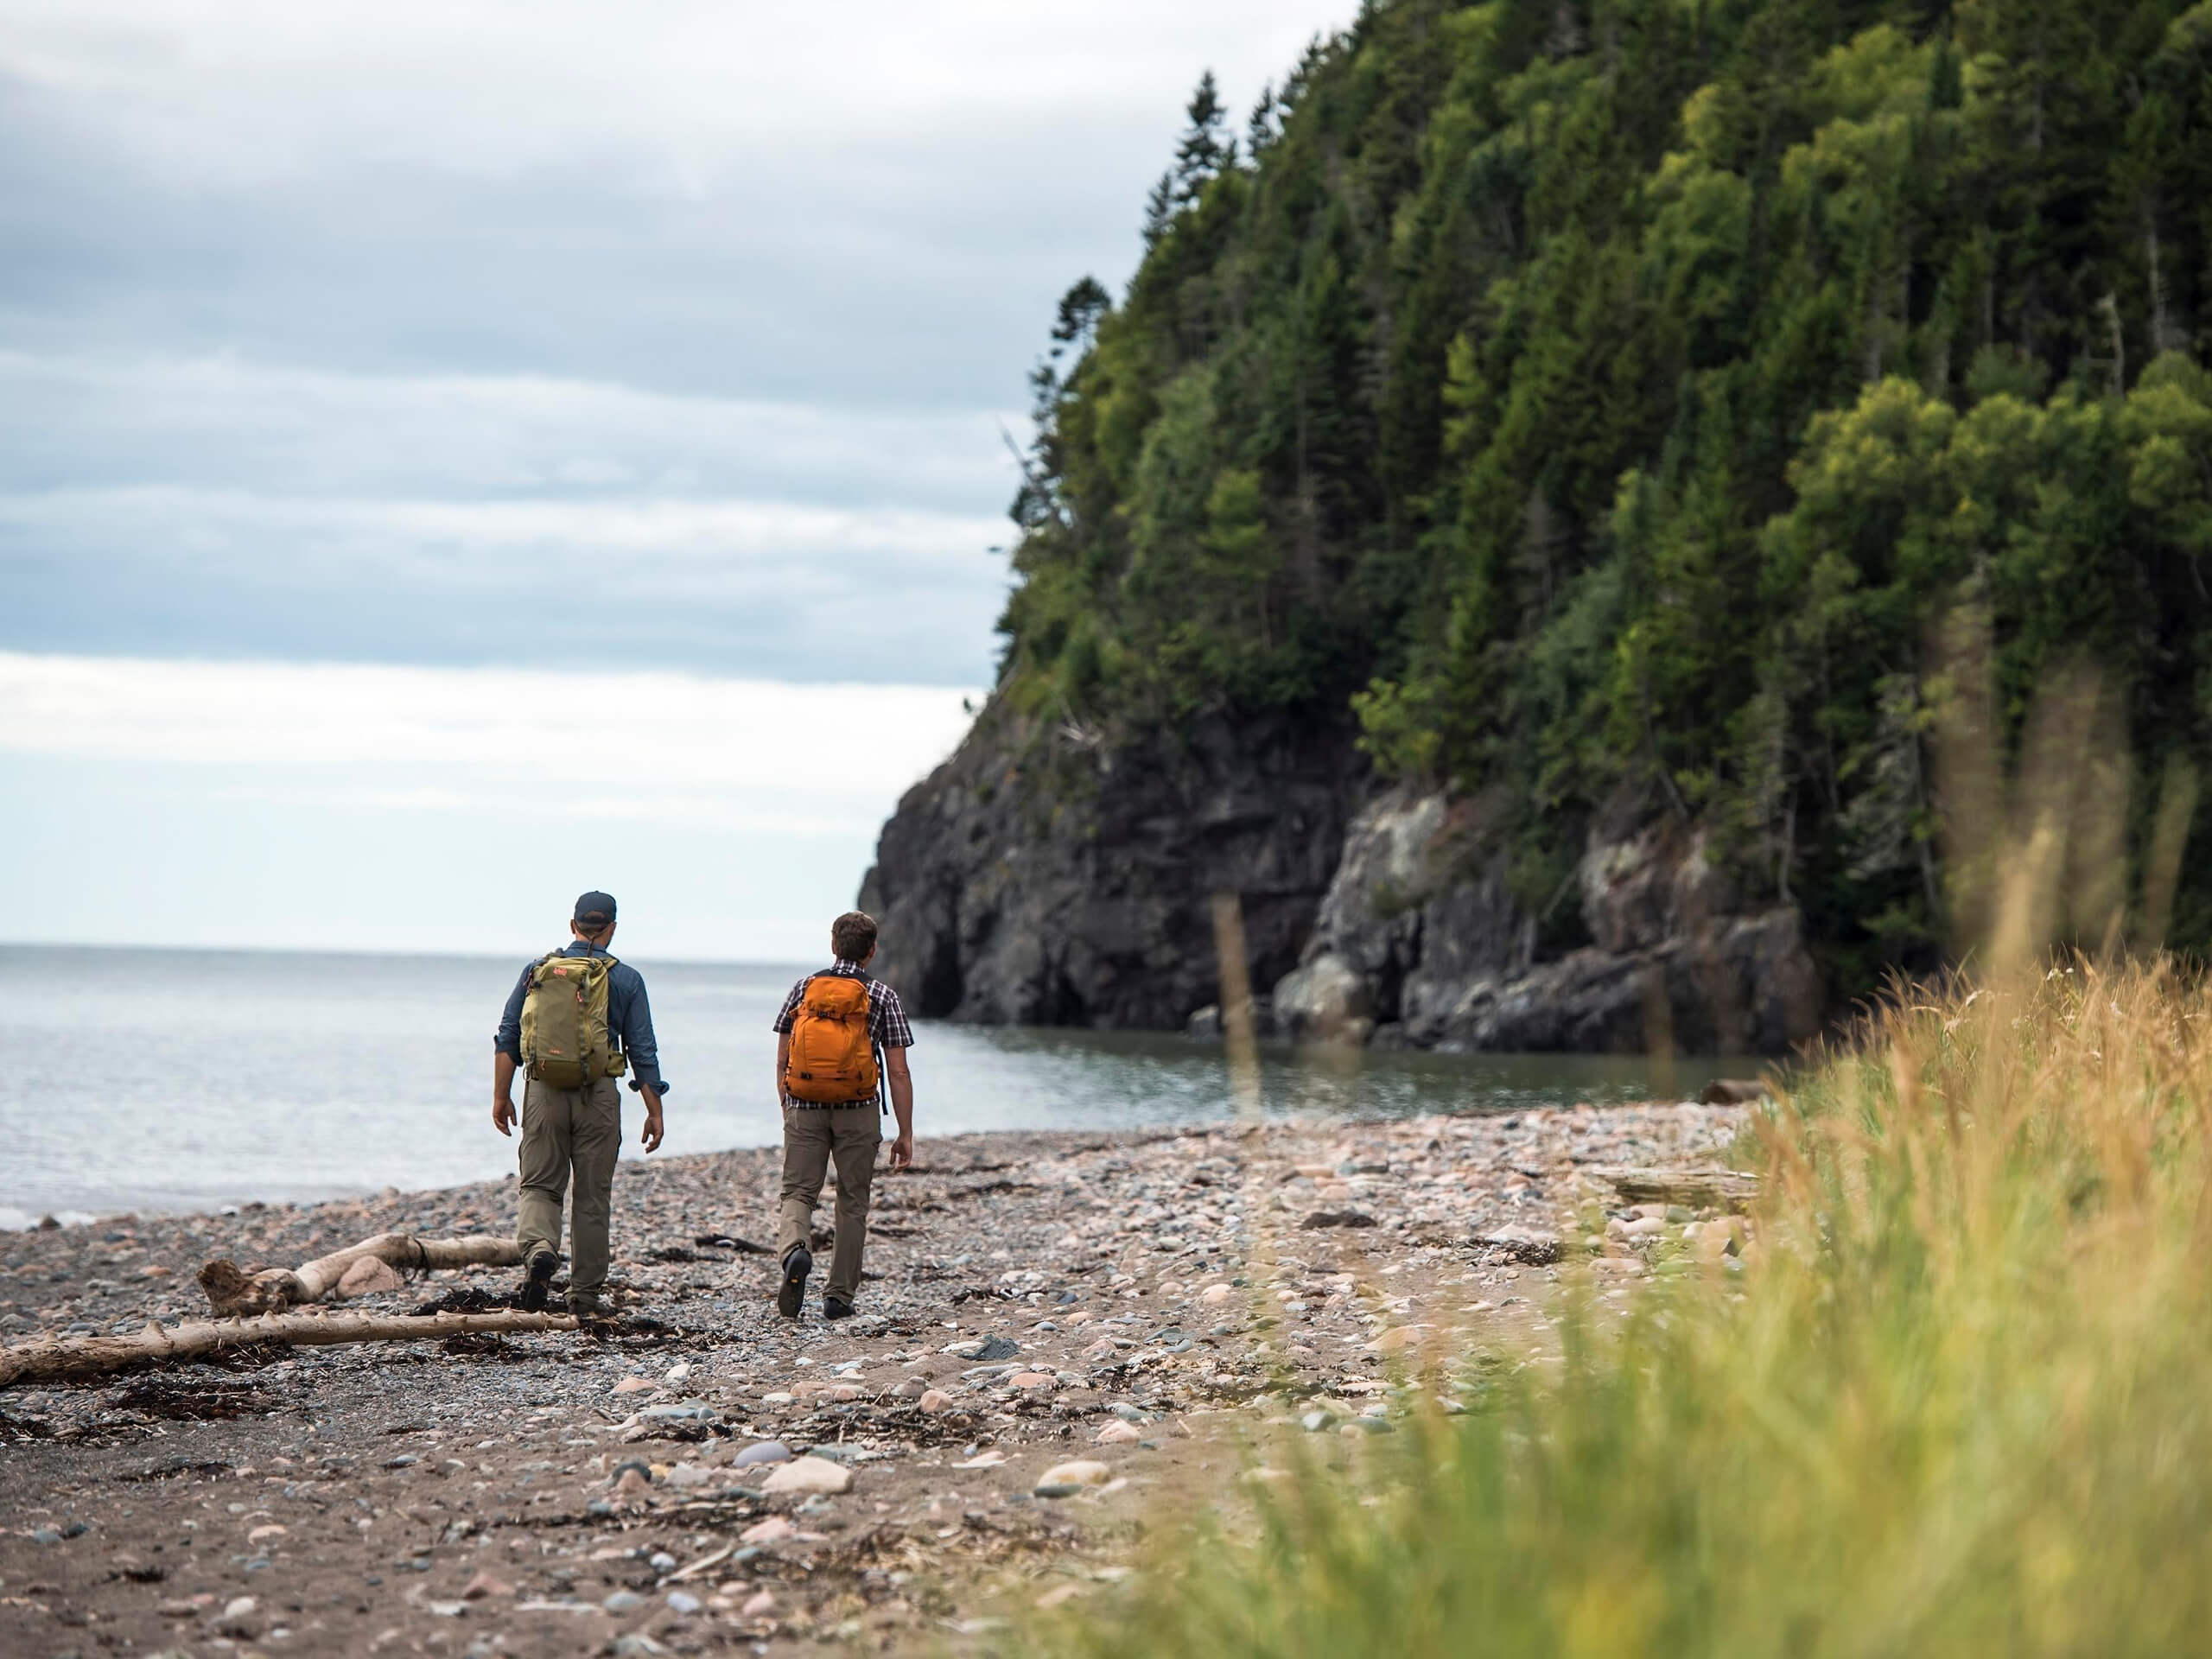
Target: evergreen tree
1158	210
1201	154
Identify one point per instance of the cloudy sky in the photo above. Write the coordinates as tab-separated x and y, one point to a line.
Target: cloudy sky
455	453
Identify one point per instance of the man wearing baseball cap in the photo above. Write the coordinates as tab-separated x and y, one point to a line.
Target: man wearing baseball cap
575	1130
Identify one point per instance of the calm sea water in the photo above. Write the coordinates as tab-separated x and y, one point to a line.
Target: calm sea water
156	1080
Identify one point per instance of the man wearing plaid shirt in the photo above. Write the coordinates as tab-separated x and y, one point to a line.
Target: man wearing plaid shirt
814	1136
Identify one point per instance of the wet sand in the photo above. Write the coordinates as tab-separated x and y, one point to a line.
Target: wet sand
1184	1295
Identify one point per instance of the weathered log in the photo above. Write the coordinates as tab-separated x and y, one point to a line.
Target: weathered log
239	1291
1723	1189
52	1358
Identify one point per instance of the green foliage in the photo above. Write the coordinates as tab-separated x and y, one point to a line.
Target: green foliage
1594	398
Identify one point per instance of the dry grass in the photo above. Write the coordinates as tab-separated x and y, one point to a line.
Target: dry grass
1956	1401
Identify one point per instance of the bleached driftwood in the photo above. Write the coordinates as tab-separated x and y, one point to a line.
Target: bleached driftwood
1722	1189
54	1357
239	1291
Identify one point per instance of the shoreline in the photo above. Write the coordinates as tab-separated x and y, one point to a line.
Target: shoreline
1174	1291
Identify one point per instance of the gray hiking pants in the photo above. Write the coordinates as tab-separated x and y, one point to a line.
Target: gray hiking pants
567	1131
814	1139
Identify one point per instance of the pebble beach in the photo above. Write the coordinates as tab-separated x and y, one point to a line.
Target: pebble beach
1063	1340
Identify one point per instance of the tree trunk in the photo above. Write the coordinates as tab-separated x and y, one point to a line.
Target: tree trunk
52	1358
237	1291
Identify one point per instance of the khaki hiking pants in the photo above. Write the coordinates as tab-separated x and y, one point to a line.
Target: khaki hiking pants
565	1131
813	1139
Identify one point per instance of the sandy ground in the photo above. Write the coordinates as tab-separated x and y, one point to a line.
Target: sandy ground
1161	1304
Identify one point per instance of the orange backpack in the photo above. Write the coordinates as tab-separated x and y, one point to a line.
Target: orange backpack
832	1060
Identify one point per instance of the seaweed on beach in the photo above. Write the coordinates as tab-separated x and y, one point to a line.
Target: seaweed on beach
178	1397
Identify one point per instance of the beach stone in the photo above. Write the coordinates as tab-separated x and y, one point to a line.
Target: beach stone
677	1375
637	1642
761	1603
935	1400
661	1562
773	1530
967	1349
370	1275
683	1602
809	1475
1083	1472
1099	1351
632	1385
623	1601
844	1393
762	1452
998	1348
1118	1433
690	1476
240	1618
778	1398
912	1388
1033	1380
1398	1340
1215	1295
483	1586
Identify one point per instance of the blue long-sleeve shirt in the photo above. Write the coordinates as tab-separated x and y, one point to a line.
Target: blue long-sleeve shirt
629	1017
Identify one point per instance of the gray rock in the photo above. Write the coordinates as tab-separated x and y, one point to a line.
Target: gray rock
623	1601
762	1452
683	1602
998	1348
1048	875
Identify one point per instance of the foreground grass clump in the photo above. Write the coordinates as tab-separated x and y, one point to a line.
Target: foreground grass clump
1960	1402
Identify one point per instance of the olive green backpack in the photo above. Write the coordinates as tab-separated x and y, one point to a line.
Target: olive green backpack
565	1044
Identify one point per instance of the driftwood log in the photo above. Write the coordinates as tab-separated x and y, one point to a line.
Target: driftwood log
1722	1189
52	1358
239	1291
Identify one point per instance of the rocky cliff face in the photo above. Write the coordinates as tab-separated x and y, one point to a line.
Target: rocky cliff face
1042	877
1419	942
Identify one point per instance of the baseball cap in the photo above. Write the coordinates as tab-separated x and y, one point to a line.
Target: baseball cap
596	909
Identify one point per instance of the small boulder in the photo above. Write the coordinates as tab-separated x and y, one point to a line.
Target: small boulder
1083	1472
773	1530
758	1604
240	1618
483	1586
935	1400
1118	1433
809	1475
762	1452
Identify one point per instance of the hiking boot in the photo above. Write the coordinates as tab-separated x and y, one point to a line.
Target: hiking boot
531	1297
834	1309
590	1305
791	1296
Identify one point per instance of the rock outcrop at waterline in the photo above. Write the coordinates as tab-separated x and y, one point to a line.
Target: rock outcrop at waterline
1044	877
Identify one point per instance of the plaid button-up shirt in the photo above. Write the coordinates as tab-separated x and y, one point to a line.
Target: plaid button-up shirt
886	1015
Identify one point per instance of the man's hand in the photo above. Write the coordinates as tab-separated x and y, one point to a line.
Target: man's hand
653	1132
902	1150
503	1115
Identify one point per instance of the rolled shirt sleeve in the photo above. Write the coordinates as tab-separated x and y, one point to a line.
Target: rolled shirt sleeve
636	1032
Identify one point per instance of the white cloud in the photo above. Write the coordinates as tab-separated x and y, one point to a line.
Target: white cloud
323	806
447	737
249	89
